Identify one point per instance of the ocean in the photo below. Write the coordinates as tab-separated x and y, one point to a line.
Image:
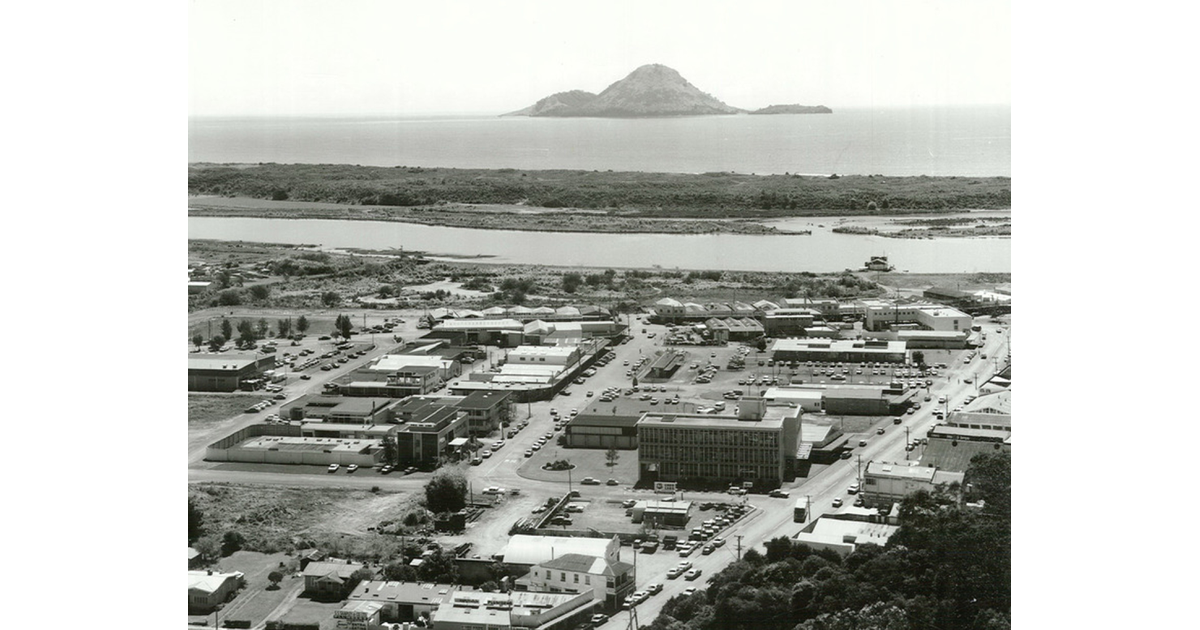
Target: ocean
962	141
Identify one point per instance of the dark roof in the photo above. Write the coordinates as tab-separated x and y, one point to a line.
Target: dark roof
596	420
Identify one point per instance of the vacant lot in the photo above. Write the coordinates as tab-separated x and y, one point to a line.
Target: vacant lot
207	413
274	519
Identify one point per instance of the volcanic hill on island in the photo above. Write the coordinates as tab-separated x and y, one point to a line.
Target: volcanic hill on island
651	90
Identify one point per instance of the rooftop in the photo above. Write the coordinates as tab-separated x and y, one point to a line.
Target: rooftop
202	580
525	549
403	592
771	421
580	563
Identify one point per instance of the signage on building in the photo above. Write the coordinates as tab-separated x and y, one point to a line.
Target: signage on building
664	487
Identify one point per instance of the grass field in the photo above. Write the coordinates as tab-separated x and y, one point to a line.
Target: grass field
273	518
207	412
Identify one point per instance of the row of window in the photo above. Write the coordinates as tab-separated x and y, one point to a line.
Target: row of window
708	453
715	470
725	437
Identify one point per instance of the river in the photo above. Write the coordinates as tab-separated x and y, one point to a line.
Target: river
822	251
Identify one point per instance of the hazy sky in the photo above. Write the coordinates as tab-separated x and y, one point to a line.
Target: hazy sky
306	57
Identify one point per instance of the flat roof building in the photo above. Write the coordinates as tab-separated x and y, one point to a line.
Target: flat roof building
608	582
525	550
226	371
889	482
515	609
848	350
403	601
760	446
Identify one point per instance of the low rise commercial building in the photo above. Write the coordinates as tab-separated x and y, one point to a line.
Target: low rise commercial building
588	430
341	409
226	371
608	582
403	601
658	513
430	435
843	532
286	444
889	482
524	551
515	609
789	322
829	350
734	329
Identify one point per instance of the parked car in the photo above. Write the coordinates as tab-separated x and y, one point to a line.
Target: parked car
837	502
692	575
333	468
589	481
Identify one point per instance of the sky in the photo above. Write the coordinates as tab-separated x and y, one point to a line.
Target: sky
370	57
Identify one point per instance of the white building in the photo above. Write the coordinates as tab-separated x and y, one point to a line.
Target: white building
608	582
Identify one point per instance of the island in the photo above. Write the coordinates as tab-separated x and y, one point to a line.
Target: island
649	91
793	109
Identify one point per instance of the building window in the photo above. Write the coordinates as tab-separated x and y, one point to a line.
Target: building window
576	577
587	579
563	575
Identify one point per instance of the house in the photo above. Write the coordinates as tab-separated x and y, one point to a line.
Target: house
208	589
194	558
608	582
333	579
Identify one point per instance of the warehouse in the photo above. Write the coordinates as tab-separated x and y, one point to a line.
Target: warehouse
856	401
225	372
933	339
889	482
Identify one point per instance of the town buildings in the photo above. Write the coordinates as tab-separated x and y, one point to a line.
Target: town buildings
208	589
888	482
227	371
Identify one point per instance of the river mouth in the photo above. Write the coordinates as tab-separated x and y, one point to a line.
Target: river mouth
823	251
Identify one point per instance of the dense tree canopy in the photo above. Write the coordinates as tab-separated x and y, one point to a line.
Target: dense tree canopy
947	567
446	491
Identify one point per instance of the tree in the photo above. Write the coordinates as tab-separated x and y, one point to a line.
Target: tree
195	522
399	571
571	282
216	342
284	326
612	456
363	574
226	328
275	577
918	357
260	291
229	297
343	325
439	566
390	452
989	476
197	340
446	491
262	329
302	325
330	298
761	344
232	541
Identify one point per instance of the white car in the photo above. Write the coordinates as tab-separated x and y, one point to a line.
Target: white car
485	453
853	489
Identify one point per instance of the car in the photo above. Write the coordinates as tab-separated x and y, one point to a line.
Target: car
333	468
590	394
589	481
387	469
306	377
674	572
537	446
858	501
485	453
529	453
897	420
778	494
845	455
493	490
351	468
477	460
928	398
853	489
862	442
692	575
691	590
654	589
599	618
837	502
628	503
611	482
707	549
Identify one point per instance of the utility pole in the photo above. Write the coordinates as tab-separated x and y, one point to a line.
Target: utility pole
739	545
907	441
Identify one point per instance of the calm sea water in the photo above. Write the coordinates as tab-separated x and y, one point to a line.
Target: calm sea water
967	141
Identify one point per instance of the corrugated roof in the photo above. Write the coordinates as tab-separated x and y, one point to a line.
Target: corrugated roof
525	549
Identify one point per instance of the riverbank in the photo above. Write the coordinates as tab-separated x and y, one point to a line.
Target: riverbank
303	279
626	195
492	217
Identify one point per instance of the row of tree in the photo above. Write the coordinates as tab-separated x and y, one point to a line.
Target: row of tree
251	332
